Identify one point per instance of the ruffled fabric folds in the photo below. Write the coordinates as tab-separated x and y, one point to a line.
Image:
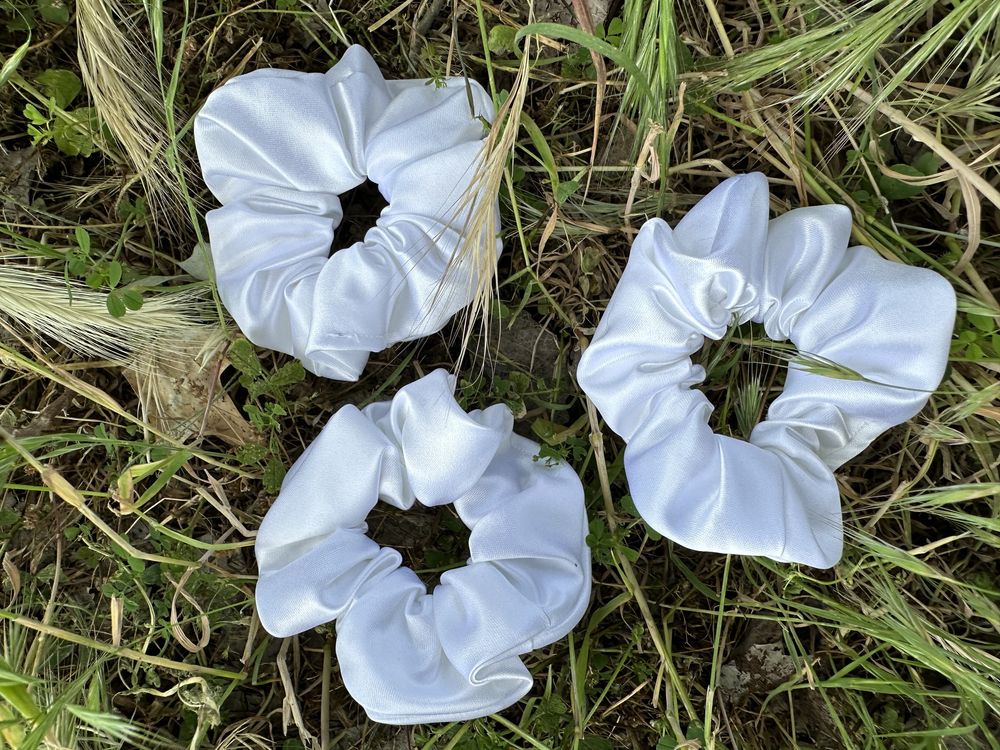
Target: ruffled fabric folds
405	655
277	148
774	495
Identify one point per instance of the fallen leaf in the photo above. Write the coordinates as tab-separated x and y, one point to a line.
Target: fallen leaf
180	392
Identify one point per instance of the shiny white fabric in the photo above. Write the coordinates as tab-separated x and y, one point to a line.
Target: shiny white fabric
774	495
277	147
405	655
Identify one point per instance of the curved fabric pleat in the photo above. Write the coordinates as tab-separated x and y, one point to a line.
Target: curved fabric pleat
405	655
774	495
278	147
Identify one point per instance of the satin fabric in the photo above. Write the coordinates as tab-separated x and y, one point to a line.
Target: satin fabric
405	655
277	148
774	495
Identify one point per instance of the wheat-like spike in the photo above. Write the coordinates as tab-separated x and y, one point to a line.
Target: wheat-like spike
76	316
483	227
480	226
119	69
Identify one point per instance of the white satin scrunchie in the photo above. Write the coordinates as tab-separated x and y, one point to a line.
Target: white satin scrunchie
776	494
405	655
277	148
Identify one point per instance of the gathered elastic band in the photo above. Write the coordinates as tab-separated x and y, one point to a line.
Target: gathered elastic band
775	494
405	655
278	147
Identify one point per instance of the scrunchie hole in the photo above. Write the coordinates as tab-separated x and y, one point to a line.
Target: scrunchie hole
361	206
741	399
431	540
